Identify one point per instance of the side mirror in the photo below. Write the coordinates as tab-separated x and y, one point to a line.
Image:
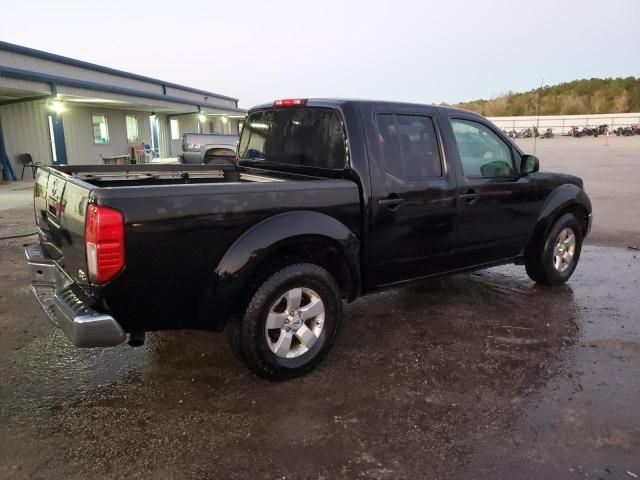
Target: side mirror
529	164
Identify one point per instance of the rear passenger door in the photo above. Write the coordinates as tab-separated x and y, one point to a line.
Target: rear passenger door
413	208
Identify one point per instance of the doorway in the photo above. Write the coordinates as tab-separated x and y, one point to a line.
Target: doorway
155	144
56	139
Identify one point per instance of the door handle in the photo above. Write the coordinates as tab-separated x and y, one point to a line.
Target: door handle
470	196
392	202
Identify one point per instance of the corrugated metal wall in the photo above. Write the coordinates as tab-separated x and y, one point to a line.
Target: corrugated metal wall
25	130
52	67
78	132
164	136
24	126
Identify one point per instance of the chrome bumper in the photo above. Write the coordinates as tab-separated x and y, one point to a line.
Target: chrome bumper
66	304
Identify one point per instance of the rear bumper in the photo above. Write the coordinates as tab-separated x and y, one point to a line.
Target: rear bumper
67	305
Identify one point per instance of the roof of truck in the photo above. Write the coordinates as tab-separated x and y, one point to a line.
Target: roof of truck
336	102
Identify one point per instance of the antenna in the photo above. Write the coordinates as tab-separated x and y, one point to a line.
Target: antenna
535	139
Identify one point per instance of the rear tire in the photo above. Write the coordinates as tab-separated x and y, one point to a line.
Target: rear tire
290	322
556	258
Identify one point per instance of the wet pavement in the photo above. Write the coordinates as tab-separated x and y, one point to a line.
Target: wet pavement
475	376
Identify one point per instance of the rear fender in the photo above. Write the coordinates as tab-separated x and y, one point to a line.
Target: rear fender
231	277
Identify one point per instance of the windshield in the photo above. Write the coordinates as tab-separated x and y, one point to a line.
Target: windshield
306	136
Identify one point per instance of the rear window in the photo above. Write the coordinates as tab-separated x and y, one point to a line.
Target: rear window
307	136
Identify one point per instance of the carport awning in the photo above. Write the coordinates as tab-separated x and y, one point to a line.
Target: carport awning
18	86
114	100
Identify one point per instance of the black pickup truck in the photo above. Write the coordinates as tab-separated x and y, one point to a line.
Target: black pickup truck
327	200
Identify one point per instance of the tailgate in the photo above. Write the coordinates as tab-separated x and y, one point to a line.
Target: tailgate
60	205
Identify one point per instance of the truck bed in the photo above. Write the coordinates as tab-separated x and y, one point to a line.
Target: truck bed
179	221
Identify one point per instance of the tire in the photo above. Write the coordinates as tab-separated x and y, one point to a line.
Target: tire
265	351
542	264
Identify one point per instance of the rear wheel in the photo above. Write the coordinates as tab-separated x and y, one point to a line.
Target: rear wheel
554	261
290	322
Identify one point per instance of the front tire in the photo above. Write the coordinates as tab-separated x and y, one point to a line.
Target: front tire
554	261
290	322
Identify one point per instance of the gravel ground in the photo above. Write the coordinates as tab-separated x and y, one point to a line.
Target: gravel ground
480	376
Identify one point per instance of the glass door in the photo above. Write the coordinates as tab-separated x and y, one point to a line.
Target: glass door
56	139
155	144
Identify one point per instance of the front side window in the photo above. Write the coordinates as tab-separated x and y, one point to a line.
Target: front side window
482	152
100	129
301	136
175	129
132	129
409	146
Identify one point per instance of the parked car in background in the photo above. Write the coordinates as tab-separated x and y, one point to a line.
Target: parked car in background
328	200
209	148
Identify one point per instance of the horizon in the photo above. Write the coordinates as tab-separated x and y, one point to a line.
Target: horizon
276	52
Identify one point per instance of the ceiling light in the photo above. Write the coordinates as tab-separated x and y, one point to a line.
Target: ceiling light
57	106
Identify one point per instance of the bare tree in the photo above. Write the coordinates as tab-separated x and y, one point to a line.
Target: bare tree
598	101
621	102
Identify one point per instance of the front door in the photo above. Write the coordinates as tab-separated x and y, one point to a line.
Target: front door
155	139
56	139
414	205
497	206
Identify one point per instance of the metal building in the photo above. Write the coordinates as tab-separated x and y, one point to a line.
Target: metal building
61	110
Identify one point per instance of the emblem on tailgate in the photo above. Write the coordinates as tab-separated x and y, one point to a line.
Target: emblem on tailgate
54	186
81	275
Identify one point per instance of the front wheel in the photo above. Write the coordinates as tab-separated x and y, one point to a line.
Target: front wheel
290	322
554	261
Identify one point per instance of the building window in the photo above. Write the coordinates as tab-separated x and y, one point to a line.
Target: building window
175	129
132	129
100	128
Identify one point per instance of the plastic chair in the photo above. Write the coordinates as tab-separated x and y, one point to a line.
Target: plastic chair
27	162
138	153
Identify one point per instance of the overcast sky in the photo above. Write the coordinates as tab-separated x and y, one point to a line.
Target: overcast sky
419	51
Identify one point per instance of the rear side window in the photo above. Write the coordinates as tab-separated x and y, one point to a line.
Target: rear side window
482	152
306	136
409	146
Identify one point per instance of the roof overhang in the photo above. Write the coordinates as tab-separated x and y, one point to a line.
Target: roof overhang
23	85
17	55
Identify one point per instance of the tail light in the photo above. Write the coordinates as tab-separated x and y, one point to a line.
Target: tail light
104	241
290	102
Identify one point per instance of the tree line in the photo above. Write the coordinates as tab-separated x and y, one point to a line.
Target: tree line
593	95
